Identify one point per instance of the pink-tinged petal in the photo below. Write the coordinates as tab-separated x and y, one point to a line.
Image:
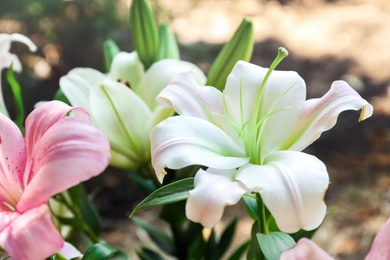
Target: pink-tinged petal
380	248
77	84
127	68
12	163
181	141
16	37
70	152
32	235
305	249
280	101
292	185
189	99
158	76
319	115
123	116
69	251
214	189
6	217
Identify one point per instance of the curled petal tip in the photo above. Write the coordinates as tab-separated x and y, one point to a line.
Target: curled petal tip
367	112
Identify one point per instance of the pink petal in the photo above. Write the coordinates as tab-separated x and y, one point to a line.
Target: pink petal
214	189
32	235
380	248
305	249
70	152
319	115
12	162
292	185
40	120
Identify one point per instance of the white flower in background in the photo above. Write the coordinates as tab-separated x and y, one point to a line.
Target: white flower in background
7	59
250	136
122	103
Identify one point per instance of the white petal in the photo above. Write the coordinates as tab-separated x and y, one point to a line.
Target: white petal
292	185
280	102
214	189
158	76
319	115
23	39
181	141
189	99
122	115
127	68
77	84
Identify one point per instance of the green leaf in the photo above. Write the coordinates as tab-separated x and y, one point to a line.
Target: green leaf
17	93
157	235
168	48
250	205
170	193
211	247
226	238
146	186
197	247
174	214
144	32
110	49
254	251
149	254
61	97
240	47
274	244
99	251
238	254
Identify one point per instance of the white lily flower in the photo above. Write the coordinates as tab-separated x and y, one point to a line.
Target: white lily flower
251	136
7	59
122	103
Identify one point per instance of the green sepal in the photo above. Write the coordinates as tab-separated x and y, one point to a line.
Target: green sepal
101	251
17	93
168	47
167	194
144	32
110	49
163	240
274	244
240	47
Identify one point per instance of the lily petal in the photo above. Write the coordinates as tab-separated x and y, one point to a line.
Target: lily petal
380	247
122	115
305	249
32	235
181	141
69	251
127	68
189	99
214	189
290	182
77	84
70	152
280	101
319	115
158	76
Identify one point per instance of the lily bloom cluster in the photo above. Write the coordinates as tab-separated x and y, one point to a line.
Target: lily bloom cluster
122	102
250	136
57	152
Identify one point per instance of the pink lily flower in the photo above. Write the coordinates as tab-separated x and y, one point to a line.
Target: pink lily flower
57	152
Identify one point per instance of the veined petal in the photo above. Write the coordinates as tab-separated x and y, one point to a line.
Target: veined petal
122	115
214	189
189	99
70	152
380	247
127	68
277	104
305	249
77	84
292	185
12	163
32	235
319	115
181	141
158	76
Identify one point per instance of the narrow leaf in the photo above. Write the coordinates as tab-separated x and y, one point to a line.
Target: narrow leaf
99	251
17	93
170	193
250	205
110	49
240	47
148	254
226	238
274	244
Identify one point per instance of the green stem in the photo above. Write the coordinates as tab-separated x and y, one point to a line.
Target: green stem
261	213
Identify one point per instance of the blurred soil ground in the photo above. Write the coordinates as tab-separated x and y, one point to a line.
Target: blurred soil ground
327	41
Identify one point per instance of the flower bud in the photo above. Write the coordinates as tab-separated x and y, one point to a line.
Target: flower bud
168	48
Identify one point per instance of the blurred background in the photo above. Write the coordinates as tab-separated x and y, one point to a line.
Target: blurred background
327	41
